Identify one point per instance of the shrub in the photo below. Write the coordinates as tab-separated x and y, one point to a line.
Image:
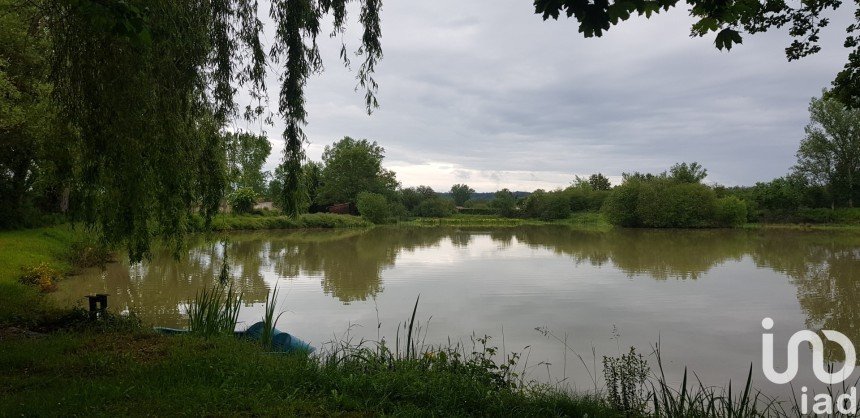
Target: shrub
41	277
827	215
398	211
620	205
626	382
534	204
373	207
779	197
585	199
672	205
730	212
557	206
660	203
504	203
242	200
547	205
436	208
88	254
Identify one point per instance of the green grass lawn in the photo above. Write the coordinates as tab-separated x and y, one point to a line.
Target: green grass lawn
144	374
21	304
31	247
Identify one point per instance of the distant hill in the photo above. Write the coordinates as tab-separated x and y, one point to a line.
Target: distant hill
486	196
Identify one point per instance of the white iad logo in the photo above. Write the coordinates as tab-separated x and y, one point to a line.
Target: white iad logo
817	355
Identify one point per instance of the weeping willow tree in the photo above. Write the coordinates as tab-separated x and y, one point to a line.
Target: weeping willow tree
148	85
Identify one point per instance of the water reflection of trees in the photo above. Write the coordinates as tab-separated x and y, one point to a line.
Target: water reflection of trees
660	254
158	288
350	264
825	268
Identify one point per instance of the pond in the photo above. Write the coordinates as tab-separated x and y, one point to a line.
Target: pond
701	294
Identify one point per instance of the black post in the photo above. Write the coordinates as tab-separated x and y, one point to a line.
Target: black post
98	305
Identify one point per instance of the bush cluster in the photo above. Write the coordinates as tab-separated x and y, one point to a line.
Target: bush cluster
242	200
374	207
435	208
41	277
663	203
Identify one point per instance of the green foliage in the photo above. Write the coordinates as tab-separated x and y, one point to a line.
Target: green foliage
686	205
42	277
727	21
373	207
478	211
620	206
242	201
366	380
435	207
599	182
557	206
666	202
214	311
626	377
841	216
270	320
779	197
461	193
132	81
730	212
688	173
398	210
504	203
314	220
156	80
87	252
36	151
413	197
547	206
311	184
829	155
245	155
351	167
584	198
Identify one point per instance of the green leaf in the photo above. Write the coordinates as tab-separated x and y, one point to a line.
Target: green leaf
726	38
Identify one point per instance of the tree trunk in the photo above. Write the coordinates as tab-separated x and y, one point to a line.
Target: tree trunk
64	199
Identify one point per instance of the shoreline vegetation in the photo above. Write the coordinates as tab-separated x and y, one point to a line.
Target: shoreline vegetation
115	365
820	219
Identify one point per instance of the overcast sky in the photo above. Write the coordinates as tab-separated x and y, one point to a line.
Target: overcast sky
486	93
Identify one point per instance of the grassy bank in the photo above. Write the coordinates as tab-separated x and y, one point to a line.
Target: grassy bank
273	221
143	374
50	247
579	220
35	246
803	226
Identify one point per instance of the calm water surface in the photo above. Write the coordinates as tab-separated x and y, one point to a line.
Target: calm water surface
702	294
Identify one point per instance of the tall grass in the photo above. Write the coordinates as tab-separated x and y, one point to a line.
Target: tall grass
269	318
634	389
214	311
697	400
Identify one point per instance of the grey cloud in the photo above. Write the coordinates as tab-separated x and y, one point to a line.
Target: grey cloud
488	87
